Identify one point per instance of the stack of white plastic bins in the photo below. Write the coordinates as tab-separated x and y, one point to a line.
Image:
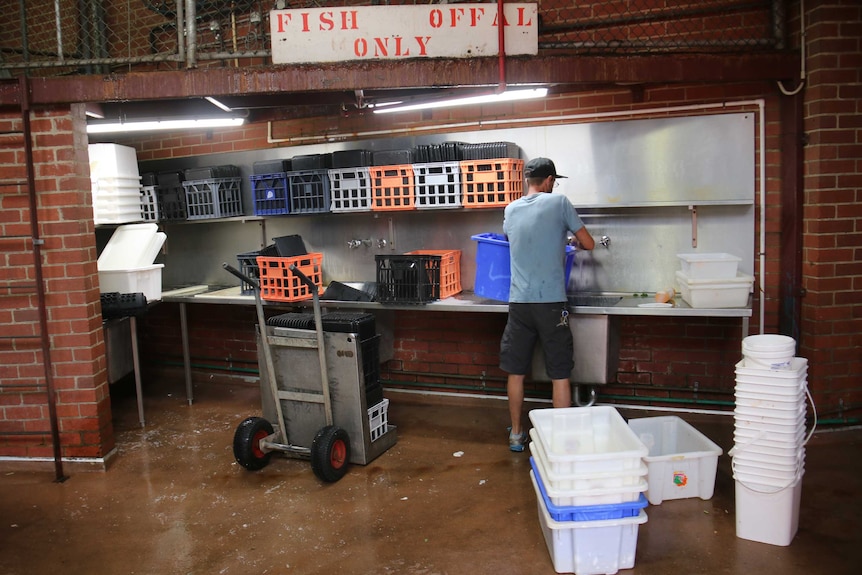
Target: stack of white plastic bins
115	183
769	437
589	477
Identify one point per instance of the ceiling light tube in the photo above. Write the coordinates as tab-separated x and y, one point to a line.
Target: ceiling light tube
508	96
218	104
155	125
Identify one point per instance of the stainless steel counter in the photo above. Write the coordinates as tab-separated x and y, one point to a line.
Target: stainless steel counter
618	304
627	304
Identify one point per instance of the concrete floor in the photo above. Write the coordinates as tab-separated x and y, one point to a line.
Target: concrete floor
174	502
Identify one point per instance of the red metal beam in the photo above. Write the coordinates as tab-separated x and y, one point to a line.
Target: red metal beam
378	75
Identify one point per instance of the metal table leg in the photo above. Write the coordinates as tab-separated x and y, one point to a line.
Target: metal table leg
133	326
187	362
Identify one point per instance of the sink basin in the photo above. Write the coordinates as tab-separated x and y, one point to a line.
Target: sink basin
594	300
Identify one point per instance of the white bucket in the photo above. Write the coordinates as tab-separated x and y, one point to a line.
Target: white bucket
768	515
769	351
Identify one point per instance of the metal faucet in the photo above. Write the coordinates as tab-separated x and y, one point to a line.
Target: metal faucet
353	244
605	241
381	243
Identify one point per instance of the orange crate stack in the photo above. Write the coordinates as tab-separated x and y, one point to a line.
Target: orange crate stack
278	283
450	270
491	183
391	188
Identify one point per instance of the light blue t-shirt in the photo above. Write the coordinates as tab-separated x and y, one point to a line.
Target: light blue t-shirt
537	226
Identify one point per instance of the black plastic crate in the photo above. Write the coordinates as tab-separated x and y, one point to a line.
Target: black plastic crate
490	151
212	172
289	246
149	179
116	304
371	362
263	167
169	179
309	191
362	324
248	266
408	278
393	157
311	162
172	202
351	158
270	194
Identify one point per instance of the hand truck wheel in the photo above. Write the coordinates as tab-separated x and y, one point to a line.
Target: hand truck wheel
330	453
246	443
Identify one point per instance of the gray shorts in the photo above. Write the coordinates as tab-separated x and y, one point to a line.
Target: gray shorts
531	322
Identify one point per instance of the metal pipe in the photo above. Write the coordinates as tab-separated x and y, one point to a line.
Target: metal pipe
48	366
57	23
191	34
501	46
181	45
25	45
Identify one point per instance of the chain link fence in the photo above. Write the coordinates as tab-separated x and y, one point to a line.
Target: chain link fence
69	37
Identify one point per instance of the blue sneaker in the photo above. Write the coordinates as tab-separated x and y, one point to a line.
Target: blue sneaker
517	442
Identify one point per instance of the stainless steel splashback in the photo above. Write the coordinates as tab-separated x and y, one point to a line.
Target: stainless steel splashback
655	187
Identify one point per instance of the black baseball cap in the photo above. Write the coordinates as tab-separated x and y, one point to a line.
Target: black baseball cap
541	168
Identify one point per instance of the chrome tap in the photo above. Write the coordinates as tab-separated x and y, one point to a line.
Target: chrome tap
353	244
381	243
605	241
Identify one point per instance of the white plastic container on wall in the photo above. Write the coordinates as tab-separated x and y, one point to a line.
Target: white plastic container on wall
709	265
715	293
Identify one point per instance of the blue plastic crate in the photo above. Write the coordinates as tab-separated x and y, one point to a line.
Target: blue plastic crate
270	194
493	270
587	512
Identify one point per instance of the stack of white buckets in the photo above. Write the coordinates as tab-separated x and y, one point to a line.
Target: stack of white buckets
769	438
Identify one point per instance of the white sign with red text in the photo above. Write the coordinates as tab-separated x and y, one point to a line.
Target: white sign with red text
399	32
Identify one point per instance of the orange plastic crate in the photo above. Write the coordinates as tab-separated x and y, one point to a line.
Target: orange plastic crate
392	188
450	270
278	283
491	183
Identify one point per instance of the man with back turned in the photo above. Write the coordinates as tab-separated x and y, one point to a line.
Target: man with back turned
537	226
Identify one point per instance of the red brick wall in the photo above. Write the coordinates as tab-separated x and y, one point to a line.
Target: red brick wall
72	302
832	250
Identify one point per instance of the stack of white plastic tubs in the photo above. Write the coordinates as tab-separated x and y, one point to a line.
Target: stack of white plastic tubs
769	438
589	477
115	183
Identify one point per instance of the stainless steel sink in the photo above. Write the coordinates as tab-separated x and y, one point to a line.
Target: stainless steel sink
594	300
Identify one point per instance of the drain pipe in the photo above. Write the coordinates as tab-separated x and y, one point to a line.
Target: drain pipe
501	46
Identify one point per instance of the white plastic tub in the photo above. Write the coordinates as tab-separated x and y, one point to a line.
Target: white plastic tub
593	495
709	265
146	280
581	440
767	515
715	293
582	481
589	547
682	461
113	161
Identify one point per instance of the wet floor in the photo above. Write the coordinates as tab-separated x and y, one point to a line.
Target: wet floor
448	498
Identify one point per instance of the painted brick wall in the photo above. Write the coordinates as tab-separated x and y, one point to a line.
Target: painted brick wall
832	251
71	283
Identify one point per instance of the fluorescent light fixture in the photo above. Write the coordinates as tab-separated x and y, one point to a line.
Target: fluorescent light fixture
155	125
508	96
218	104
